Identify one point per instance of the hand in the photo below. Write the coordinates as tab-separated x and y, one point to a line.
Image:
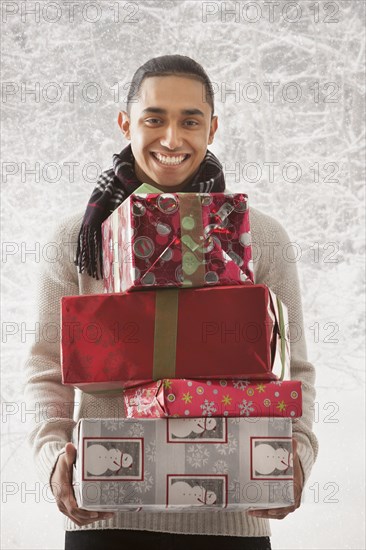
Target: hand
61	485
280	513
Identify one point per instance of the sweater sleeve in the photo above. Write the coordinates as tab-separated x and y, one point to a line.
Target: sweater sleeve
52	402
279	271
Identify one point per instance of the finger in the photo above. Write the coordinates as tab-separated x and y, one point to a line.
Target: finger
269	516
72	510
106	515
68	501
82	515
281	511
86	515
278	517
272	512
81	519
66	512
95	516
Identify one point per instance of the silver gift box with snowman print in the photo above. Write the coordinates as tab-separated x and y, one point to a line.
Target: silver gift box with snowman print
173	464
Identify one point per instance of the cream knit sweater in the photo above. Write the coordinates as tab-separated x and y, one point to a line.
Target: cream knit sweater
60	406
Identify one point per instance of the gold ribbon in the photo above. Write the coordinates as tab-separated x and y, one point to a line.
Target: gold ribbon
192	239
165	333
166	300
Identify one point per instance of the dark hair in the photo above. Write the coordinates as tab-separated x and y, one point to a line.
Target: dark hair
168	65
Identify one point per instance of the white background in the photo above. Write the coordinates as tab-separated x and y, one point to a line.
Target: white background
319	46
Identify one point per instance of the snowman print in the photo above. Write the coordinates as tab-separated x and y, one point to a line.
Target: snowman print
272	459
102	461
186	428
183	494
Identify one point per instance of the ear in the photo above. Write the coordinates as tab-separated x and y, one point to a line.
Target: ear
124	123
213	127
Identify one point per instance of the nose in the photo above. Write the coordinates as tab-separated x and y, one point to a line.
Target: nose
171	138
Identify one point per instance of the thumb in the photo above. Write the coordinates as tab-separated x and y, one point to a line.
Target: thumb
70	454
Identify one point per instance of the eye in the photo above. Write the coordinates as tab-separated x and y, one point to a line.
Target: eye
192	123
153	120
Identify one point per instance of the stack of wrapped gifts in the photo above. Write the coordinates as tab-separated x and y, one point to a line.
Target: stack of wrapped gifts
198	352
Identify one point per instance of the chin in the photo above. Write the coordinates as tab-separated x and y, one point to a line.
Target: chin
171	183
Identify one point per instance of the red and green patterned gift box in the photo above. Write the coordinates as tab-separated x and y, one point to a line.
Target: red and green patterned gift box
195	398
182	240
113	341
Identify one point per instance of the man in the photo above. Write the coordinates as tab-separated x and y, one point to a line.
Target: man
170	122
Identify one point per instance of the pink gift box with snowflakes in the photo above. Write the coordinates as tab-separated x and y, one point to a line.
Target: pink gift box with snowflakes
232	398
179	240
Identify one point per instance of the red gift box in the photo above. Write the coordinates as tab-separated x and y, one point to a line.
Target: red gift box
194	398
112	341
177	239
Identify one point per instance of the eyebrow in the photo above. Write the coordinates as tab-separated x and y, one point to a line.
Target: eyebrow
159	111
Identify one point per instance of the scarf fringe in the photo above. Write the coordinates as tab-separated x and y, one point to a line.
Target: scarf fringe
89	249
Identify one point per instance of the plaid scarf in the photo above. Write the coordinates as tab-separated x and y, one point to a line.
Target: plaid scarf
113	187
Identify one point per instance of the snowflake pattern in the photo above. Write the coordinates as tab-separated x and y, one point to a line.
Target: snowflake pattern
276	382
228	448
245	407
151	451
136	430
208	407
278	424
110	425
220	467
240	384
138	401
117	492
146	485
110	492
197	456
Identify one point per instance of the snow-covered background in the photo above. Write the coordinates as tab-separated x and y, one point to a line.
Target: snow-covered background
293	133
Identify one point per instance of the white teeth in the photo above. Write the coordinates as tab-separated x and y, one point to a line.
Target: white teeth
170	160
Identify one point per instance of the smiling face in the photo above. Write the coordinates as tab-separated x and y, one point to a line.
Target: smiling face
169	127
